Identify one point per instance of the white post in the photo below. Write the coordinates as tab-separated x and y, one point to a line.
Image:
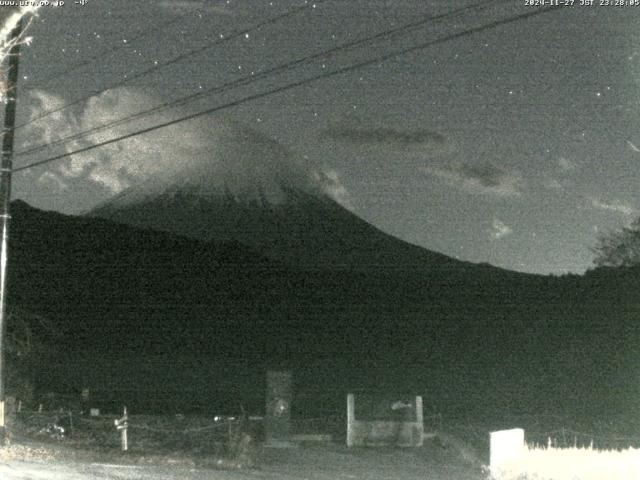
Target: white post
125	427
418	442
122	424
506	446
125	440
351	418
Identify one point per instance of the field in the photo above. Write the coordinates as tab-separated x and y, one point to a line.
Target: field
573	463
568	454
206	444
179	446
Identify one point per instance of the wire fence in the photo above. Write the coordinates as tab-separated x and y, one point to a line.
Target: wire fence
559	431
215	434
138	433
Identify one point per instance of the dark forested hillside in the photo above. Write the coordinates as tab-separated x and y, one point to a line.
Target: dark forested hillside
469	338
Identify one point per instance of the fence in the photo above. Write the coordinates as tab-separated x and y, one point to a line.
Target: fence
139	433
228	436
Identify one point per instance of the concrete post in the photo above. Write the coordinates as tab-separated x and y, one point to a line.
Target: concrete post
278	409
351	418
506	447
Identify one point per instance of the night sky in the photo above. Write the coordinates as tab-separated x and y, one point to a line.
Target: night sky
516	145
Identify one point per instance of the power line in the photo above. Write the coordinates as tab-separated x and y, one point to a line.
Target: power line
346	69
251	79
174	60
110	51
382	58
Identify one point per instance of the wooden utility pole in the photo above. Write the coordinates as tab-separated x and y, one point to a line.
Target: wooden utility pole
6	165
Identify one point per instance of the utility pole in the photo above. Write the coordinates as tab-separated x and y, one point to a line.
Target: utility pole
6	165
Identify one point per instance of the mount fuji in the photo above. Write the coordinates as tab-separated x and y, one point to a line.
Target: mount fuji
347	302
253	190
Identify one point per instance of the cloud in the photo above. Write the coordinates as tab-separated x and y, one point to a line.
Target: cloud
553	184
486	179
114	166
500	229
614	206
331	185
118	165
564	167
387	138
633	147
54	126
49	129
52	180
210	154
565	164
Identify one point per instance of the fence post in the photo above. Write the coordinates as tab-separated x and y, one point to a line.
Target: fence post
351	419
506	446
122	424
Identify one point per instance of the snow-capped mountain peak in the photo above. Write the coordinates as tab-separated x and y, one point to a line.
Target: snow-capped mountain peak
244	166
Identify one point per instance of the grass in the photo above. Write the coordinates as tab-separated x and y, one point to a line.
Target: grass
207	442
575	463
169	439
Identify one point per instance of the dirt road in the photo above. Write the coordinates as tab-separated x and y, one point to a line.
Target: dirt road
19	470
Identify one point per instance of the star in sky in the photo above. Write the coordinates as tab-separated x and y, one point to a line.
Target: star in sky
506	105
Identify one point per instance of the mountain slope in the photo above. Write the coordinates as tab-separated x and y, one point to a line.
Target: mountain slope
254	191
306	230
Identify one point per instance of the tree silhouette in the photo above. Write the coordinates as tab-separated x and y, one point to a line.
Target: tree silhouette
620	248
27	337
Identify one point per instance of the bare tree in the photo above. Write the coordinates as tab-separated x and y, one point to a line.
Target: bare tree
620	248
